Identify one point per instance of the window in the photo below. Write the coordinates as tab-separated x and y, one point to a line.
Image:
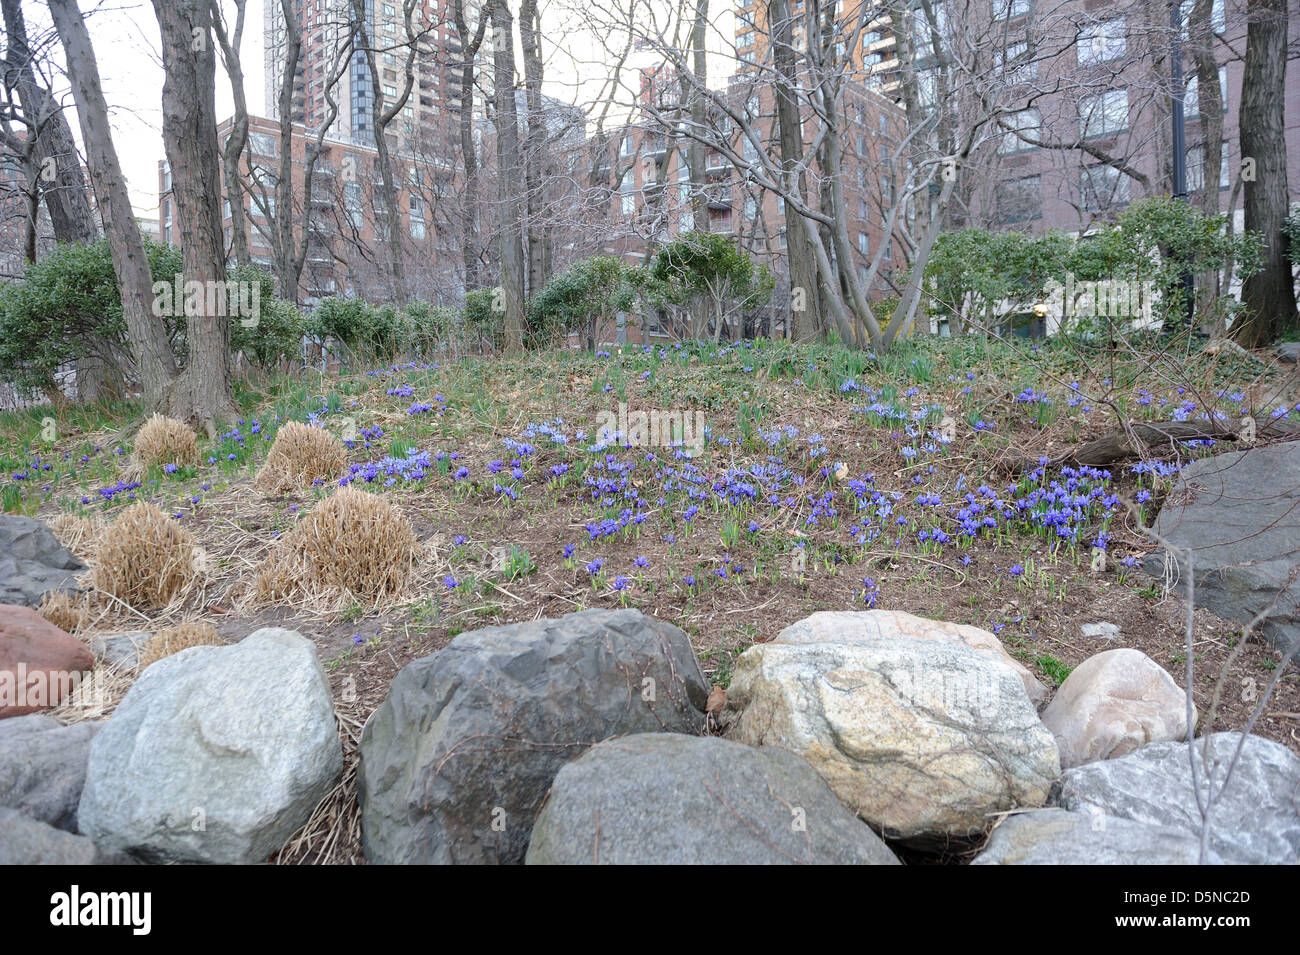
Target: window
1218	20
1103	187
864	211
1019	199
745	39
263	144
1102	42
864	243
417	217
627	192
390	91
627	147
1015	62
352	203
1103	114
926	86
751	208
1025	121
1192	98
1006	9
861	143
1196	169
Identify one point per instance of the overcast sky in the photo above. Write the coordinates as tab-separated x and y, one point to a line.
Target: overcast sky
126	41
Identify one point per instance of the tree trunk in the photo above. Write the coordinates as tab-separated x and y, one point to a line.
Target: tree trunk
202	394
288	266
807	323
539	237
469	156
508	176
147	335
233	150
383	114
1269	295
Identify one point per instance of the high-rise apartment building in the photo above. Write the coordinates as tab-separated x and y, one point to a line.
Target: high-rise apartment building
325	27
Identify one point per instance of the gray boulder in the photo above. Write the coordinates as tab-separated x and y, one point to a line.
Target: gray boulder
120	649
1057	837
1288	352
1239	513
216	754
33	562
672	799
1256	818
457	759
27	841
43	767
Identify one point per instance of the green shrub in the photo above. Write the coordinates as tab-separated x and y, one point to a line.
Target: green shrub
68	305
580	297
483	324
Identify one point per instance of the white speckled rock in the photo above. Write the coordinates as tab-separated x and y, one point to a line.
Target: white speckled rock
1057	837
922	738
852	626
1111	704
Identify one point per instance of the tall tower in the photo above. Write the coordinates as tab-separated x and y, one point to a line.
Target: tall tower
326	26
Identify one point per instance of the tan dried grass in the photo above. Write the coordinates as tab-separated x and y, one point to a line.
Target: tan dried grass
67	612
162	440
145	558
78	534
351	545
192	633
299	456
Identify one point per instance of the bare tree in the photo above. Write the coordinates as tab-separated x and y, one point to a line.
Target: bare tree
232	151
147	335
1269	295
469	225
509	166
201	394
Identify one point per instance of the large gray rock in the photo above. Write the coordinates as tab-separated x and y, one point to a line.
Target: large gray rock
120	649
457	759
1256	819
1057	837
1112	703
922	738
1239	513
1289	352
43	767
852	626
33	562
216	754
27	841
672	799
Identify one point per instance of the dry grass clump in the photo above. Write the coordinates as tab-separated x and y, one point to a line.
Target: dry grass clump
192	633
162	441
145	558
65	611
299	456
352	544
78	534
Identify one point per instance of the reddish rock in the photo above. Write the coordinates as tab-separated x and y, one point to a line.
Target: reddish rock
39	663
